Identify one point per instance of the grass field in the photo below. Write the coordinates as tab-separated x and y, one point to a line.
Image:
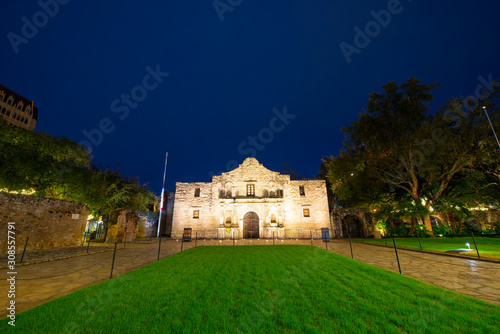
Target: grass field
260	289
488	247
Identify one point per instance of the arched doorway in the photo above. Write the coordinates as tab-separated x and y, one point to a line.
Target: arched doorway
250	225
355	226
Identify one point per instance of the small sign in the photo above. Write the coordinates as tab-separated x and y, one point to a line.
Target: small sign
325	234
187	234
75	216
228	230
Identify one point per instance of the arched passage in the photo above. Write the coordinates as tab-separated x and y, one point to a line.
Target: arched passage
353	226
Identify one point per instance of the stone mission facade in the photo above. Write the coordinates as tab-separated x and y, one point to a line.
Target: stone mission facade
250	201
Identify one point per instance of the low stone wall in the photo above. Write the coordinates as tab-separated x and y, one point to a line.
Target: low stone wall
127	224
47	222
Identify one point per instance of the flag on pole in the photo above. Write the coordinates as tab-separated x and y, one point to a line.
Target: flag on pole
162	198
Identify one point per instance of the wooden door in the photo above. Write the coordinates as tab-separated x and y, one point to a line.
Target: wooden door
251	225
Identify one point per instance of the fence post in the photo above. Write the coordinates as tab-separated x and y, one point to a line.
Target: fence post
397	257
273	238
350	243
159	246
477	250
125	237
419	242
311	233
196	239
88	244
24	250
182	242
113	263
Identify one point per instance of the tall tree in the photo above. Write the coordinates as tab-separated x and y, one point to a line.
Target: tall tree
398	143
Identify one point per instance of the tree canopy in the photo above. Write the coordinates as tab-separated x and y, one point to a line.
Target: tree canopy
398	151
39	164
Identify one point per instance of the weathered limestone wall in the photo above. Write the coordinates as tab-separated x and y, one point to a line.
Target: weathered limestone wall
223	203
47	222
129	225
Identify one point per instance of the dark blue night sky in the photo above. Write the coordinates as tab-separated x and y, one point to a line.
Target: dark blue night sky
196	81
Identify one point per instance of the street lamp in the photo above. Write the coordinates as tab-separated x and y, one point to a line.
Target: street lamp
492	129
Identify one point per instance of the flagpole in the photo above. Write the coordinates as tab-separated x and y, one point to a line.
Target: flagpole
492	129
162	198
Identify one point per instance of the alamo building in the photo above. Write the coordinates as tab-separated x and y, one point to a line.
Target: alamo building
250	201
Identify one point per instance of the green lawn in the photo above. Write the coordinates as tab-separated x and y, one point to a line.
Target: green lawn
488	247
260	289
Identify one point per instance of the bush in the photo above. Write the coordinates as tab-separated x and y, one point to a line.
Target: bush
442	231
422	231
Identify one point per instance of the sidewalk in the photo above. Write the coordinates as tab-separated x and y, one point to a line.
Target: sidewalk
479	279
41	282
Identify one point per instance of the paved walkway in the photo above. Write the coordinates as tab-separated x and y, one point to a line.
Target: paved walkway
41	282
479	279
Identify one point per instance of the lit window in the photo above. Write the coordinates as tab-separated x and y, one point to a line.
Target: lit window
196	214
301	191
196	192
250	189
306	212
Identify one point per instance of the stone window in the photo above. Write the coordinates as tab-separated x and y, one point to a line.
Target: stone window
7	113
196	192
250	189
279	193
301	191
14	115
3	110
273	219
228	221
196	214
271	193
9	101
26	121
306	213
